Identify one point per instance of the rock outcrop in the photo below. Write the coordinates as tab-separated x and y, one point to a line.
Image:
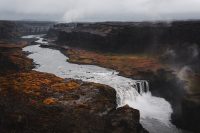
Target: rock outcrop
38	102
12	59
12	30
120	123
7	30
128	37
33	27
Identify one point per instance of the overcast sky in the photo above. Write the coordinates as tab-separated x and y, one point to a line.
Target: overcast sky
99	10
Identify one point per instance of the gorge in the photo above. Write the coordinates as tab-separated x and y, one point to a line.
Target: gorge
121	76
155	112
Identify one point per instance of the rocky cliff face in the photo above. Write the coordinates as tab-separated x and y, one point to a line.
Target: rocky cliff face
7	30
136	37
175	44
13	29
33	27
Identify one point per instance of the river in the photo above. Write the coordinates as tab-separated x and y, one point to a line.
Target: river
155	112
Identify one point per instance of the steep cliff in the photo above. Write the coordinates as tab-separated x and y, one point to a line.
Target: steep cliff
175	42
12	30
7	30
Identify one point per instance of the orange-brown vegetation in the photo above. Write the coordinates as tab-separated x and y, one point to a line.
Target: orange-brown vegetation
36	82
16	73
6	44
62	86
128	65
50	101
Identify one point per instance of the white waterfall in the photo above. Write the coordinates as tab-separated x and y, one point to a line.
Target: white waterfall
142	86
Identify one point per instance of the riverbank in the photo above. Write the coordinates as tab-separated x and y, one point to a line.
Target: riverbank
135	66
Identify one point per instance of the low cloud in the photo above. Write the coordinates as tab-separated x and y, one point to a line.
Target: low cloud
100	10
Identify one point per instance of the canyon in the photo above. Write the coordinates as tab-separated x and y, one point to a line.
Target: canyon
164	54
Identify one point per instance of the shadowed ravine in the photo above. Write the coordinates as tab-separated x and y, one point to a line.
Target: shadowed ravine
155	112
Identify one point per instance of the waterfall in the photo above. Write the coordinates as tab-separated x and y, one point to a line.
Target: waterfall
131	91
142	86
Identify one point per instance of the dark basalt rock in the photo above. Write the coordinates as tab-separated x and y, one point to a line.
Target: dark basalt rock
191	114
123	120
13	30
7	30
128	37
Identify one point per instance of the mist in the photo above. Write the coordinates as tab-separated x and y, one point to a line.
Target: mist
100	10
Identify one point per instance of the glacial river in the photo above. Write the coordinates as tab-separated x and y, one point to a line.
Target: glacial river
155	113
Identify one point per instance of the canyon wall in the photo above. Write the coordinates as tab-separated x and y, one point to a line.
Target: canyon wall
176	42
14	29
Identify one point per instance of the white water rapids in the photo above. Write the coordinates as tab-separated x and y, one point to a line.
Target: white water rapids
155	112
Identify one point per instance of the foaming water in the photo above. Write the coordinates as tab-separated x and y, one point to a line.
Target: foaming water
39	37
155	112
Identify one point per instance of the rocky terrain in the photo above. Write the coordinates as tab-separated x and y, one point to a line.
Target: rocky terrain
36	102
12	59
7	30
12	30
166	54
33	27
